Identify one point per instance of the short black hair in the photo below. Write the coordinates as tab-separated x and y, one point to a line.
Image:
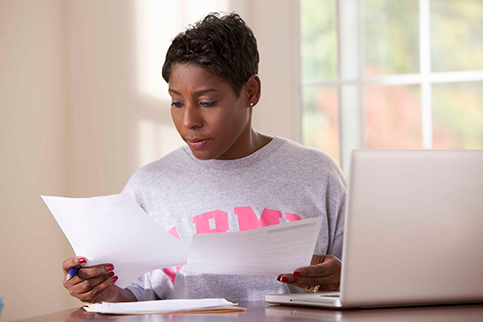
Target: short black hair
223	45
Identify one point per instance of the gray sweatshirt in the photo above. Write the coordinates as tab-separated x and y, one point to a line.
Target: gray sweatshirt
281	182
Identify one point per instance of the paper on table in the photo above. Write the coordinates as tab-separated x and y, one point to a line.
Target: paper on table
165	306
114	229
271	250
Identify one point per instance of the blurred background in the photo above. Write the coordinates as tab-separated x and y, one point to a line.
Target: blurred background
83	104
391	74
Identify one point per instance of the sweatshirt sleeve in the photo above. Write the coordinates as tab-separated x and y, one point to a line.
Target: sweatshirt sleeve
151	286
137	289
336	207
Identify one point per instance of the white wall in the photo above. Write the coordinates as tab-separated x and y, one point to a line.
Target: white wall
83	105
33	154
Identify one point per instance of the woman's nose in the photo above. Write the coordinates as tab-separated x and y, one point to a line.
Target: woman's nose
191	117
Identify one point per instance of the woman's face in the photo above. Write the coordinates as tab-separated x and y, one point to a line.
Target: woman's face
208	115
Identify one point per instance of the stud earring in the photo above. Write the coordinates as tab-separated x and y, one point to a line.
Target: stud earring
251	104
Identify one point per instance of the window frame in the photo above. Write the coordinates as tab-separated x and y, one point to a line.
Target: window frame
351	81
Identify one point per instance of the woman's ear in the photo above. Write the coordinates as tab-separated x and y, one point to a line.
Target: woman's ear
253	88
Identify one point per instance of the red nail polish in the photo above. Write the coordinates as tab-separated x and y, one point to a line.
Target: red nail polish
284	279
296	273
114	279
109	267
82	260
111	274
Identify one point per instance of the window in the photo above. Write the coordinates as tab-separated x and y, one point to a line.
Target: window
391	74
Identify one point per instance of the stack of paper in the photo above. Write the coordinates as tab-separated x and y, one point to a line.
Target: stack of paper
166	307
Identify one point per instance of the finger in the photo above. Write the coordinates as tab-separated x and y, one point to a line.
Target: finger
86	273
317	259
319	270
308	281
73	261
328	283
85	286
77	286
288	278
325	267
96	292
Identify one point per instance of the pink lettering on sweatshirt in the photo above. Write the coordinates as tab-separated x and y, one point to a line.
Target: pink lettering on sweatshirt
202	222
247	219
291	217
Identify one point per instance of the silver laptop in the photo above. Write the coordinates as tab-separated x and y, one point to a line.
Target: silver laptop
413	231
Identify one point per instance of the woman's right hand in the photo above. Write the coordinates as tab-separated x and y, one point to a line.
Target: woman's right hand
93	284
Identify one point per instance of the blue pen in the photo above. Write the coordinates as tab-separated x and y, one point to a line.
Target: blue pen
72	273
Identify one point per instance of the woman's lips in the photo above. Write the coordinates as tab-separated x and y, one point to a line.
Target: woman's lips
197	144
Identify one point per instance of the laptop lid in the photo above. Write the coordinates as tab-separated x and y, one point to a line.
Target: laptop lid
413	231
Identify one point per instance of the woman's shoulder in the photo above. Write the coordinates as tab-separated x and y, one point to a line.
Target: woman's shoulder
301	153
307	162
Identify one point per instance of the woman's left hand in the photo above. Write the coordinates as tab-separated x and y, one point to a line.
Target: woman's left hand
323	275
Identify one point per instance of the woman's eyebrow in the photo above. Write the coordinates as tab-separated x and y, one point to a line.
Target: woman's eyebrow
204	91
200	92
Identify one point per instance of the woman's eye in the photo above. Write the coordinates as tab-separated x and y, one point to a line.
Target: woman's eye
177	104
208	104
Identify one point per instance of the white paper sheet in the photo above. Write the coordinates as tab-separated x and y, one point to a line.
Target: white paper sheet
114	229
160	306
270	251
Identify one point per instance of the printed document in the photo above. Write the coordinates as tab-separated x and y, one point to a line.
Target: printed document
271	250
116	230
